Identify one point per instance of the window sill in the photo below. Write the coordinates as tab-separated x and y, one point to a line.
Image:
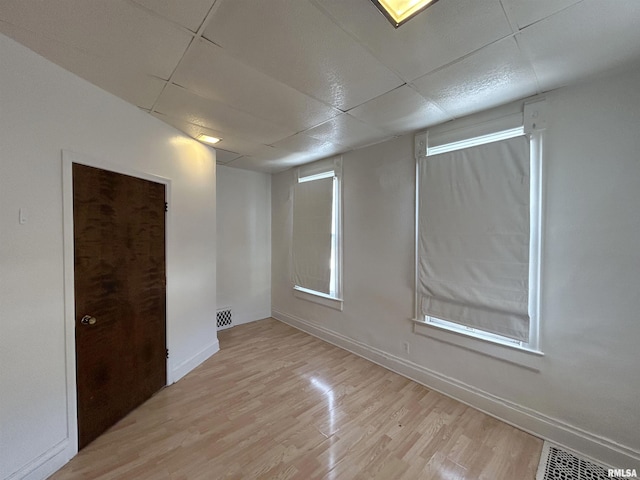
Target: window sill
317	297
524	357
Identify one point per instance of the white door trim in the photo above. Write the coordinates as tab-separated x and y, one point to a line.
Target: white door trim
68	159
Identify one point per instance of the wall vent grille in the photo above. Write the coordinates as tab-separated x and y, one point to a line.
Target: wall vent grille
224	318
559	464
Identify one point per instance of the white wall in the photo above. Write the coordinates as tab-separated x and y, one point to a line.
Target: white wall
44	109
586	389
244	243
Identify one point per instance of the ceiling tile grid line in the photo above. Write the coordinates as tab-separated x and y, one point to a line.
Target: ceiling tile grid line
184	104
203	26
494	74
207	18
285	82
135	87
196	35
464	57
273	79
236	143
442	33
295	43
212	73
408	81
523	51
302	130
525	54
169	81
266	73
526	13
566	47
400	111
510	18
200	30
115	31
328	14
154	9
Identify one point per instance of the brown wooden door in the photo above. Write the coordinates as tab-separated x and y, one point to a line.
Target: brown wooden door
119	238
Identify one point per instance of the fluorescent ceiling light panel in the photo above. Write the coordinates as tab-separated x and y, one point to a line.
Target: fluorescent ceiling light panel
208	139
400	11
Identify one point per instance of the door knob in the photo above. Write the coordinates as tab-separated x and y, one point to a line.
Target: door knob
88	320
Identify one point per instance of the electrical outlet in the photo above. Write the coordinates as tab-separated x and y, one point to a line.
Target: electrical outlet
406	347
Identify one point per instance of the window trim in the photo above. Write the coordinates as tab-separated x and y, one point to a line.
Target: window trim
460	335
524	357
317	297
334	300
475	141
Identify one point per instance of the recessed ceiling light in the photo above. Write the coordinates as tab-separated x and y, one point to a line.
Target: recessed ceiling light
208	139
400	11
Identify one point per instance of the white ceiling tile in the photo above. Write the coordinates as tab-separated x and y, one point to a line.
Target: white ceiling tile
347	131
267	86
132	86
271	160
257	165
116	31
587	38
188	13
495	75
442	33
190	129
400	111
526	12
296	43
233	143
277	155
302	143
223	156
180	103
213	73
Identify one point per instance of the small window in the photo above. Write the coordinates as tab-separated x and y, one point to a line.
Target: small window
316	243
478	237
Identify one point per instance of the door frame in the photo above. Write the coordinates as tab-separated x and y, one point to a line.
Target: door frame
68	159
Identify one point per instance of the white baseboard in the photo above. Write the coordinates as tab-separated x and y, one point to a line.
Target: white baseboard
46	464
601	449
57	456
253	317
189	364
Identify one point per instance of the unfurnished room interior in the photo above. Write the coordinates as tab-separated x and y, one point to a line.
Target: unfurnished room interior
319	239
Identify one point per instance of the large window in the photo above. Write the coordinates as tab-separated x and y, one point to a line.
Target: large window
478	236
316	243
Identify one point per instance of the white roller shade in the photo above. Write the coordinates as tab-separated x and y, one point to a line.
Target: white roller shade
473	244
312	218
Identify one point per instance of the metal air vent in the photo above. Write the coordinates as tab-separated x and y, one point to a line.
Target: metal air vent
224	318
559	464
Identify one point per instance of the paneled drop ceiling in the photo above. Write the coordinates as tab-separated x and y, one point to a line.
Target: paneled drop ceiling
285	82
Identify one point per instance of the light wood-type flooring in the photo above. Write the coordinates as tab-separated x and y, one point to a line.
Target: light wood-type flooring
276	403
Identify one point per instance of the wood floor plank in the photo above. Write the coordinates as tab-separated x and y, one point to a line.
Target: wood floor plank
276	403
